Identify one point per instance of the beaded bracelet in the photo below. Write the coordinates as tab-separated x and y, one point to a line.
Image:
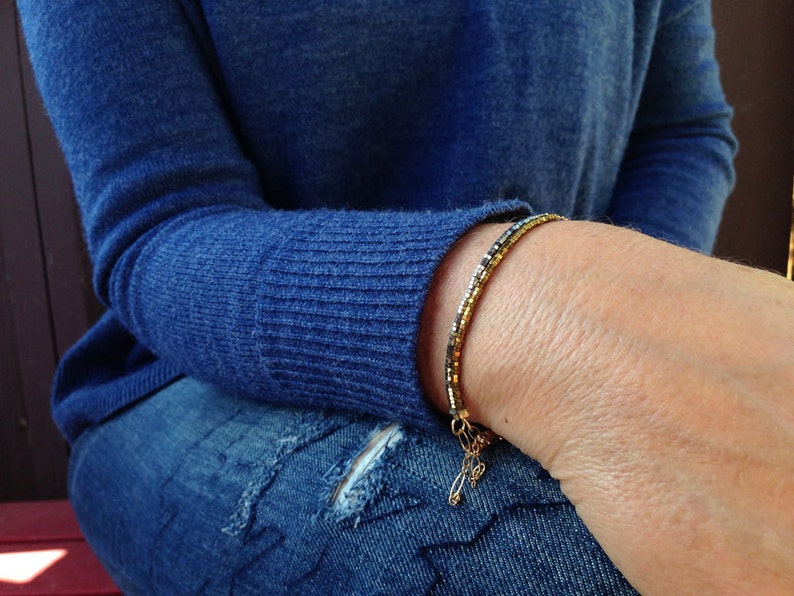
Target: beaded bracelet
474	438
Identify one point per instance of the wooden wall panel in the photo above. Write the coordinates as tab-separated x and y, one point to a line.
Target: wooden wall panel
34	455
755	46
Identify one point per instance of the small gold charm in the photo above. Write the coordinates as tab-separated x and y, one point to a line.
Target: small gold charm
473	441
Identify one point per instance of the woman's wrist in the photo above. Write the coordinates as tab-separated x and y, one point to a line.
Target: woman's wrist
490	359
516	363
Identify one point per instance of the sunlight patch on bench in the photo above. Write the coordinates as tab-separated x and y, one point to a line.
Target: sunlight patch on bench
24	567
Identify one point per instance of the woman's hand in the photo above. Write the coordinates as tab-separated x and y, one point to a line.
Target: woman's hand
655	383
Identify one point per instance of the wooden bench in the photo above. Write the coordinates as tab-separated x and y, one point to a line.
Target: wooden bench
42	551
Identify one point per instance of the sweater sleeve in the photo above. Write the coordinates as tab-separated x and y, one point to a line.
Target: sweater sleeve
678	168
319	308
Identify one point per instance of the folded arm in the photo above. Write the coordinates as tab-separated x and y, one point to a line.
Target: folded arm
317	307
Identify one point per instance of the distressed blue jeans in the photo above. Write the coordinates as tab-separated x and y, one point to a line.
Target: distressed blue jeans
195	491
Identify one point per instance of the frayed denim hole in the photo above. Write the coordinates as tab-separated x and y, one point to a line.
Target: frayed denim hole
357	481
307	429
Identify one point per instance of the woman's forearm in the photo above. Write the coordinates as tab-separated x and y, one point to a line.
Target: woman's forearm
653	382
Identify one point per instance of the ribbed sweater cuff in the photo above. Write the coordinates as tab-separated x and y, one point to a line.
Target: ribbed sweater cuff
340	307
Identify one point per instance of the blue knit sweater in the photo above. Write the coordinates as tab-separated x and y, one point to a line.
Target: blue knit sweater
267	187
